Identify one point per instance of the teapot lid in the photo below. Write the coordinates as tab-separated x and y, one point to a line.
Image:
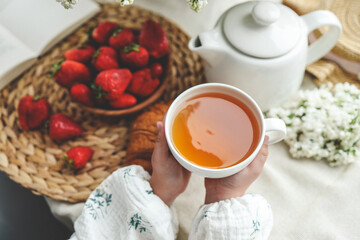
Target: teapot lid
262	29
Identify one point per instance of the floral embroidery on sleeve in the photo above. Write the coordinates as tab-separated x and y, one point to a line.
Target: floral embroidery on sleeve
139	224
127	173
98	202
256	225
206	214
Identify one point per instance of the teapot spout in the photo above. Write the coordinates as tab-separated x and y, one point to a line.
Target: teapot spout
208	46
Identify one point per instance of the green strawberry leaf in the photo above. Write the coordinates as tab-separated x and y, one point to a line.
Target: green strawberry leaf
84	44
38	97
47	124
55	67
131	47
90	29
99	93
117	30
69	163
96	54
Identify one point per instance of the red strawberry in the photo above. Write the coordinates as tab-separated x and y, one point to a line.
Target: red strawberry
62	127
149	87
110	84
121	37
77	157
82	55
153	38
123	101
82	94
33	112
105	58
142	84
156	70
70	72
102	31
135	56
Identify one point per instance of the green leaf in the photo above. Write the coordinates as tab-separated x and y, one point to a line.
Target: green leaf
56	67
84	44
131	47
291	116
96	54
302	104
298	135
353	121
90	29
38	97
354	144
117	30
99	93
353	152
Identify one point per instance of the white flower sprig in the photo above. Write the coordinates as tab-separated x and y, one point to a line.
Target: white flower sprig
196	5
125	2
67	4
323	124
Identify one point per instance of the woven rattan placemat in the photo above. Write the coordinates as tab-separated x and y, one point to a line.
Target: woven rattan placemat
32	159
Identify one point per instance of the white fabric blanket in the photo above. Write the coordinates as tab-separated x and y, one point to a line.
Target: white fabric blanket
309	199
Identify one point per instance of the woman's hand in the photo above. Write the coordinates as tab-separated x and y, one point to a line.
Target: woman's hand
237	184
169	178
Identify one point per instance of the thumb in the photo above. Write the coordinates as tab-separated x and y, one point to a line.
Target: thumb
161	147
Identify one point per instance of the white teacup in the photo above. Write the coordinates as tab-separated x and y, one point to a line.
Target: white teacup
274	128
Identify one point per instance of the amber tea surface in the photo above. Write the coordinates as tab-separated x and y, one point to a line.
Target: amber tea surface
215	130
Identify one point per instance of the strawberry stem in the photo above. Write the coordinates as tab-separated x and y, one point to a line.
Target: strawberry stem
117	30
46	124
131	47
90	29
56	67
69	163
38	97
84	44
99	93
96	54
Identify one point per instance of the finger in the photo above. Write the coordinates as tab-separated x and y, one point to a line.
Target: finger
264	150
161	148
258	163
266	141
163	120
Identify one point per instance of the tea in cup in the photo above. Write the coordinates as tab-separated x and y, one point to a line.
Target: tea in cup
216	130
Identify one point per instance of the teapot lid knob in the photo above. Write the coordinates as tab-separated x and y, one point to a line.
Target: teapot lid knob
265	13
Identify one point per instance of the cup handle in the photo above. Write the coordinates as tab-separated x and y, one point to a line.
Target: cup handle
325	43
276	129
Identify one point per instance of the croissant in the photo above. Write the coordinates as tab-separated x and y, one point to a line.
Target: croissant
142	137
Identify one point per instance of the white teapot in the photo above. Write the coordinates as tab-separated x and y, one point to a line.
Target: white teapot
262	48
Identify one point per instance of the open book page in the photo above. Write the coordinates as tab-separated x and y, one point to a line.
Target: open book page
15	57
40	24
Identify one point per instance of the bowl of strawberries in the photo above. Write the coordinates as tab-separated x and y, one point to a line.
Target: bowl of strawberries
118	71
